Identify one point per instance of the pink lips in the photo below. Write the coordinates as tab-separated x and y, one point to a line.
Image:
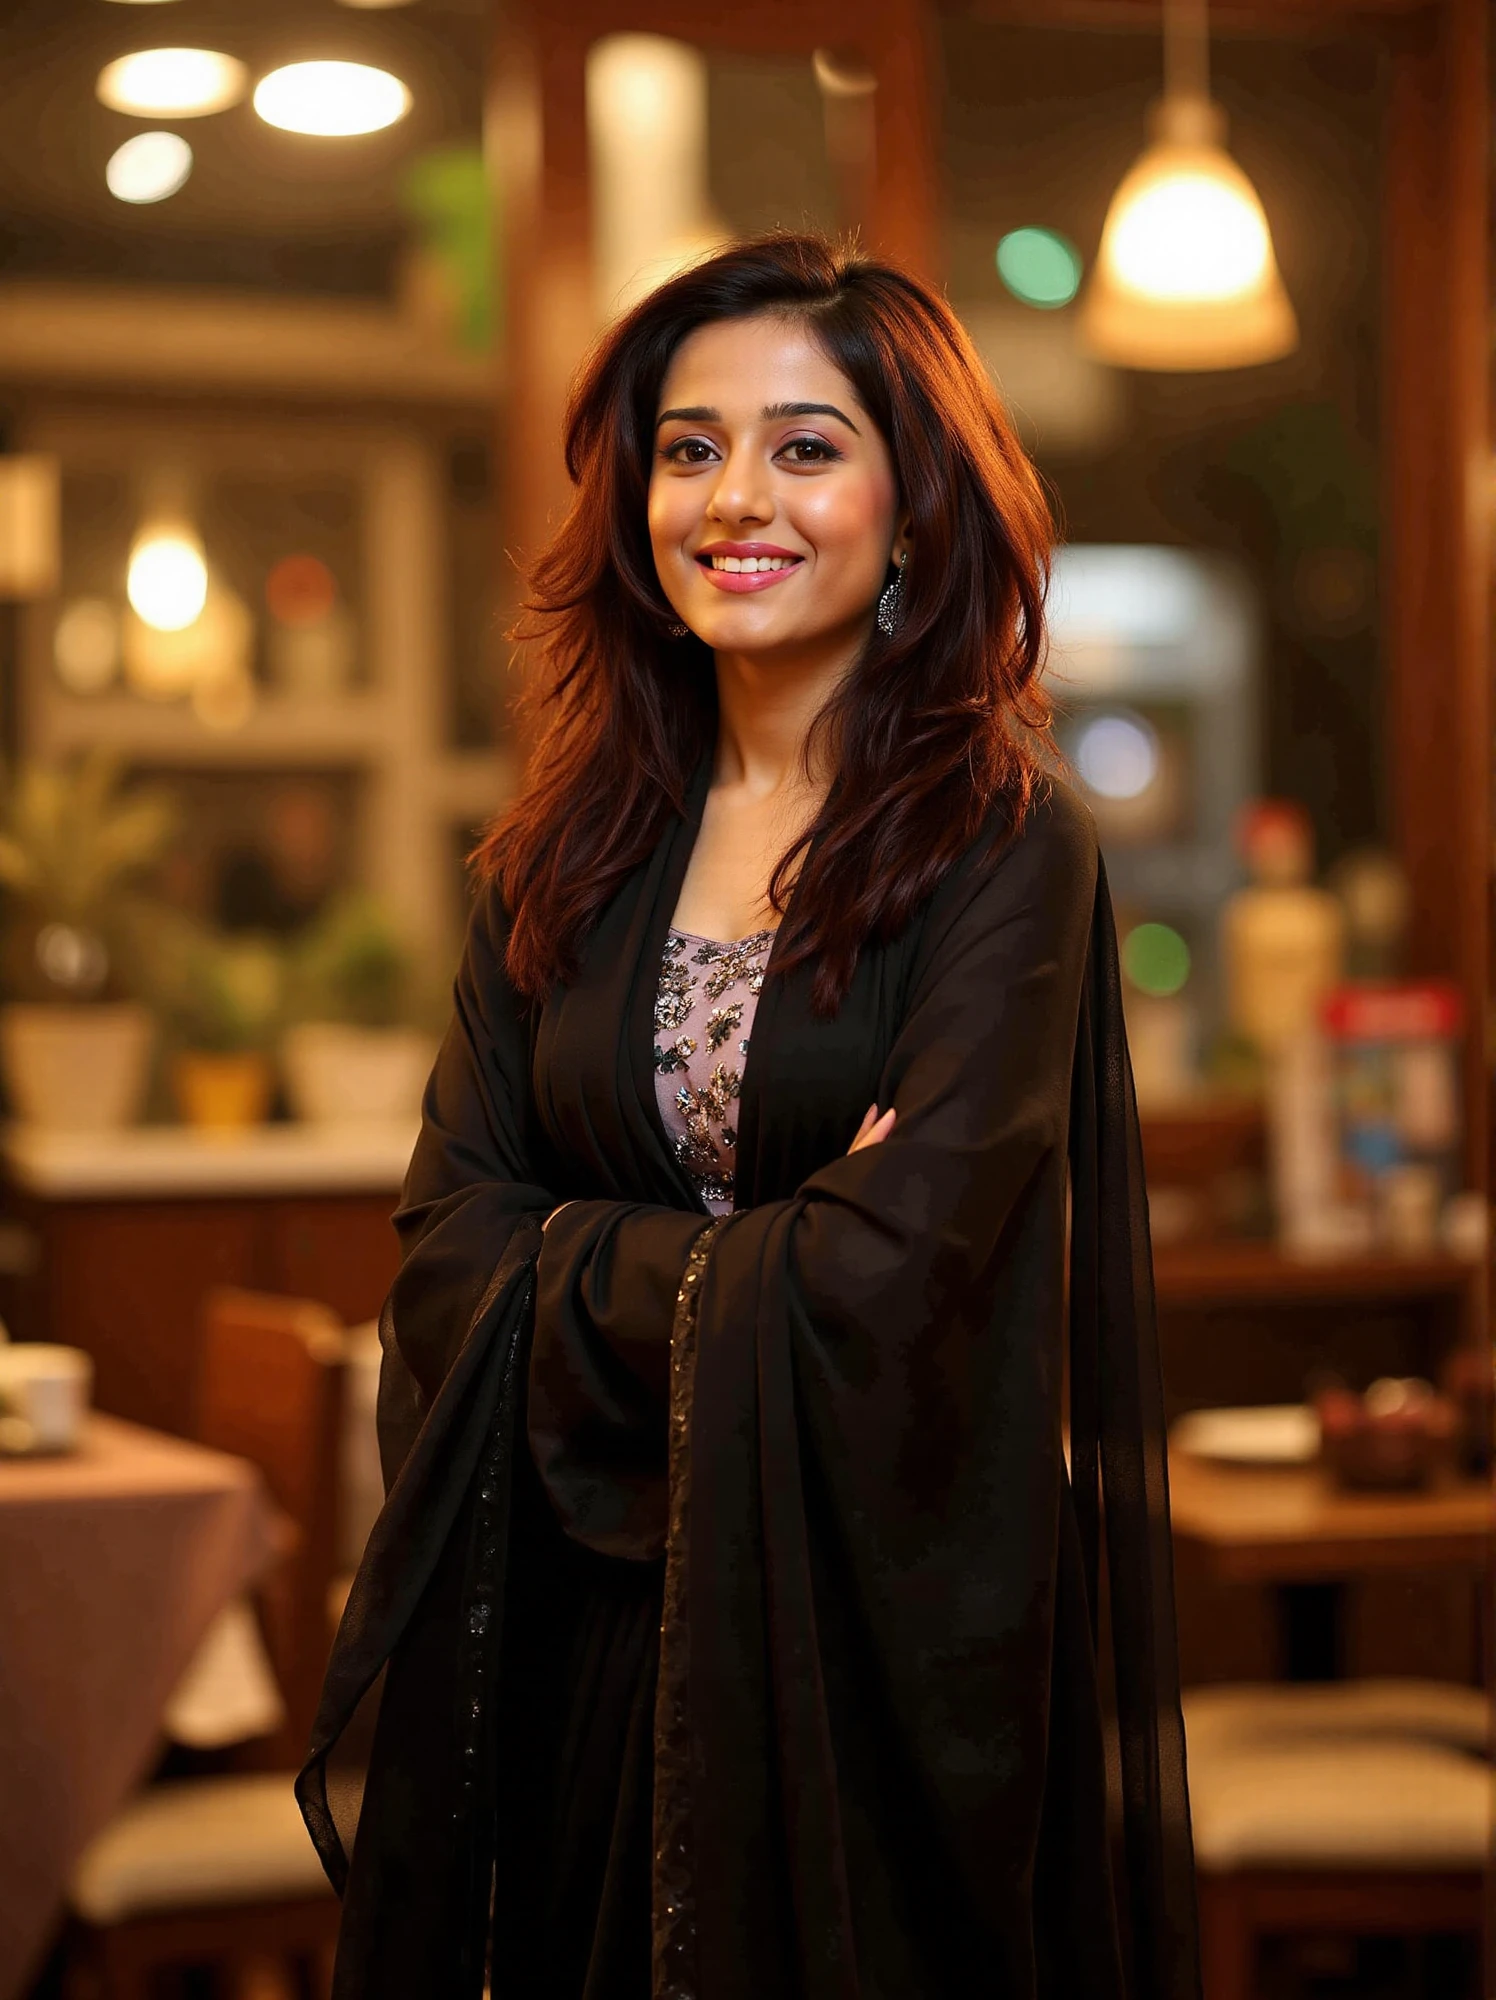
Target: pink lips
740	582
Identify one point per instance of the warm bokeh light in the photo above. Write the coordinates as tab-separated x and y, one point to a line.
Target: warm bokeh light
85	645
1116	754
1187	233
1185	276
172	83
167	584
334	100
1040	267
149	167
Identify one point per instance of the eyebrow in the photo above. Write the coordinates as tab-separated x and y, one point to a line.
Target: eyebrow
771	413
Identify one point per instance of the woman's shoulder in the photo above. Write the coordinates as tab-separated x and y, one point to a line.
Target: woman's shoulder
1046	864
1051	846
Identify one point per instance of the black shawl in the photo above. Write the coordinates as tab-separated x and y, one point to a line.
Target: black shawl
885	1631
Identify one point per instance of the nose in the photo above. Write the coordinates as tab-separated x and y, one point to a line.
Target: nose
743	491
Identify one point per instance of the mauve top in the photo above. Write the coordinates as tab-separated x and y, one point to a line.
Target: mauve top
704	1009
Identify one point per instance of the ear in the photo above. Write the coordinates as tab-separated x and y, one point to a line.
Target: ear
903	538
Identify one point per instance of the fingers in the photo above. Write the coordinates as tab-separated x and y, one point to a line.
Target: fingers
873	1129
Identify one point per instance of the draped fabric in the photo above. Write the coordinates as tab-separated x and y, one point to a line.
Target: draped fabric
881	1722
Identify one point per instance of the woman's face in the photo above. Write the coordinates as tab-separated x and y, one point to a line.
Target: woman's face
773	508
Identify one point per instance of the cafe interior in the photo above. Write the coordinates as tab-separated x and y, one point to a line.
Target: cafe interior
290	297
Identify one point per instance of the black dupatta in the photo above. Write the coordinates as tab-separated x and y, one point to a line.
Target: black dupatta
889	1754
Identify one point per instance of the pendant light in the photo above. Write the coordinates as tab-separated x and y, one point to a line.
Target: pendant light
1186	277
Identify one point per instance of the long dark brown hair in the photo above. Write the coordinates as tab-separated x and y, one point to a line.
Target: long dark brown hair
930	731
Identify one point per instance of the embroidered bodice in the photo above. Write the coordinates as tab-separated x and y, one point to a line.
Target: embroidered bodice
704	1010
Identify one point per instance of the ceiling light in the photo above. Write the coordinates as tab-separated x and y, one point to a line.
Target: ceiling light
149	167
1185	277
334	100
372	4
172	83
167	582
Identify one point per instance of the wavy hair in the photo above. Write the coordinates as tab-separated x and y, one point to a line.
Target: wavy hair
931	729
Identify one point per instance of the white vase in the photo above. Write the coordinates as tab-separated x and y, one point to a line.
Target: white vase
339	1075
76	1068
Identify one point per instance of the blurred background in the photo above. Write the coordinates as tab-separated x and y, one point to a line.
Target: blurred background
290	296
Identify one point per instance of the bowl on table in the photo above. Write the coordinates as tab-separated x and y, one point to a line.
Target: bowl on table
1270	1434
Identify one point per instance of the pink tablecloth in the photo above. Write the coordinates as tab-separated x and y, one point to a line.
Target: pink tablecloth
113	1563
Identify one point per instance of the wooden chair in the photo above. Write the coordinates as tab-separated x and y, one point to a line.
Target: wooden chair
220	1870
1363	1807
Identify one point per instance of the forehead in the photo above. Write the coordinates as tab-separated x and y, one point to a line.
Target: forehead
741	366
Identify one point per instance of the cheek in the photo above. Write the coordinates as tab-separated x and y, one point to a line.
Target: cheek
671	517
851	520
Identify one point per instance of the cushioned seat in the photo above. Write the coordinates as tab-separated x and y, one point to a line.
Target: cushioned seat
1360	1775
198	1844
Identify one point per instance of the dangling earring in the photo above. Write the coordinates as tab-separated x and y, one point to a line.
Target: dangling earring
891	603
675	630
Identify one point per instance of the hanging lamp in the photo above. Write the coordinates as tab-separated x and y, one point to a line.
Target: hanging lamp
1185	277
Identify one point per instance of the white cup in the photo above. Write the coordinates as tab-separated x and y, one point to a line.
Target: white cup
44	1392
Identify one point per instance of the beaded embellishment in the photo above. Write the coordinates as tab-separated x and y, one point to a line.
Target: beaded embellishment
674	1898
704	1007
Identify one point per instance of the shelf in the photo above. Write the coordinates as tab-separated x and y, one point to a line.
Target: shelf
185	340
351	729
1229	1274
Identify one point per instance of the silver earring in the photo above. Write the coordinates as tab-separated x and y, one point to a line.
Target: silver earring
891	603
675	630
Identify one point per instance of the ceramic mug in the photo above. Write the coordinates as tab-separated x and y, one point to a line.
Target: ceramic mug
44	1392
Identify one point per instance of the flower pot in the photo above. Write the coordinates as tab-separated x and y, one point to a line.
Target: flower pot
340	1075
76	1068
222	1093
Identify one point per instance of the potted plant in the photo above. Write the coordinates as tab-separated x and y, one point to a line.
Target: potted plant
221	999
75	1042
354	1053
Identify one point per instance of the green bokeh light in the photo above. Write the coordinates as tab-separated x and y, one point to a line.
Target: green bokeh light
1039	266
1156	959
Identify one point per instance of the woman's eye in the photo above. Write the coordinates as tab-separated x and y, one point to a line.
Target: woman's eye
809	451
688	451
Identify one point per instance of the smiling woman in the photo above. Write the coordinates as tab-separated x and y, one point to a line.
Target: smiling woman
736	1604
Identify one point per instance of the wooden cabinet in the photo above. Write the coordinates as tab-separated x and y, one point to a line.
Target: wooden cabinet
121	1271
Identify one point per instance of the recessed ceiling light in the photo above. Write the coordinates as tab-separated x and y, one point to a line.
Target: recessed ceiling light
332	99
172	83
149	167
371	4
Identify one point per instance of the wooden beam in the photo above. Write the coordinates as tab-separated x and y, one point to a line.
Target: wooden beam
1436	552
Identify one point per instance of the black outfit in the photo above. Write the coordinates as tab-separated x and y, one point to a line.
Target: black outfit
877	1737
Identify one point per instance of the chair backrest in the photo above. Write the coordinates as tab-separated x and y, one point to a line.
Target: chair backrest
271	1389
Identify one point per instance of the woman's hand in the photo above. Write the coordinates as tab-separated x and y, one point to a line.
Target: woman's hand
873	1129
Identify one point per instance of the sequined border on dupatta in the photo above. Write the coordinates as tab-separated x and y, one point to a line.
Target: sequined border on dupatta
674	1897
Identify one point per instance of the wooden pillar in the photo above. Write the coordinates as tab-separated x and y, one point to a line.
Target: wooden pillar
1436	552
537	143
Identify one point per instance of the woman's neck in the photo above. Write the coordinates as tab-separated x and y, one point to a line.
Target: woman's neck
765	711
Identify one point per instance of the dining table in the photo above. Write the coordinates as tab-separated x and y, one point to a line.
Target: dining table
1294	1528
115	1560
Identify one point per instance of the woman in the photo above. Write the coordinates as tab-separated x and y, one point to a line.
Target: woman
737	1614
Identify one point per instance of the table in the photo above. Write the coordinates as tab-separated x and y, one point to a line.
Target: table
1294	1528
114	1562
